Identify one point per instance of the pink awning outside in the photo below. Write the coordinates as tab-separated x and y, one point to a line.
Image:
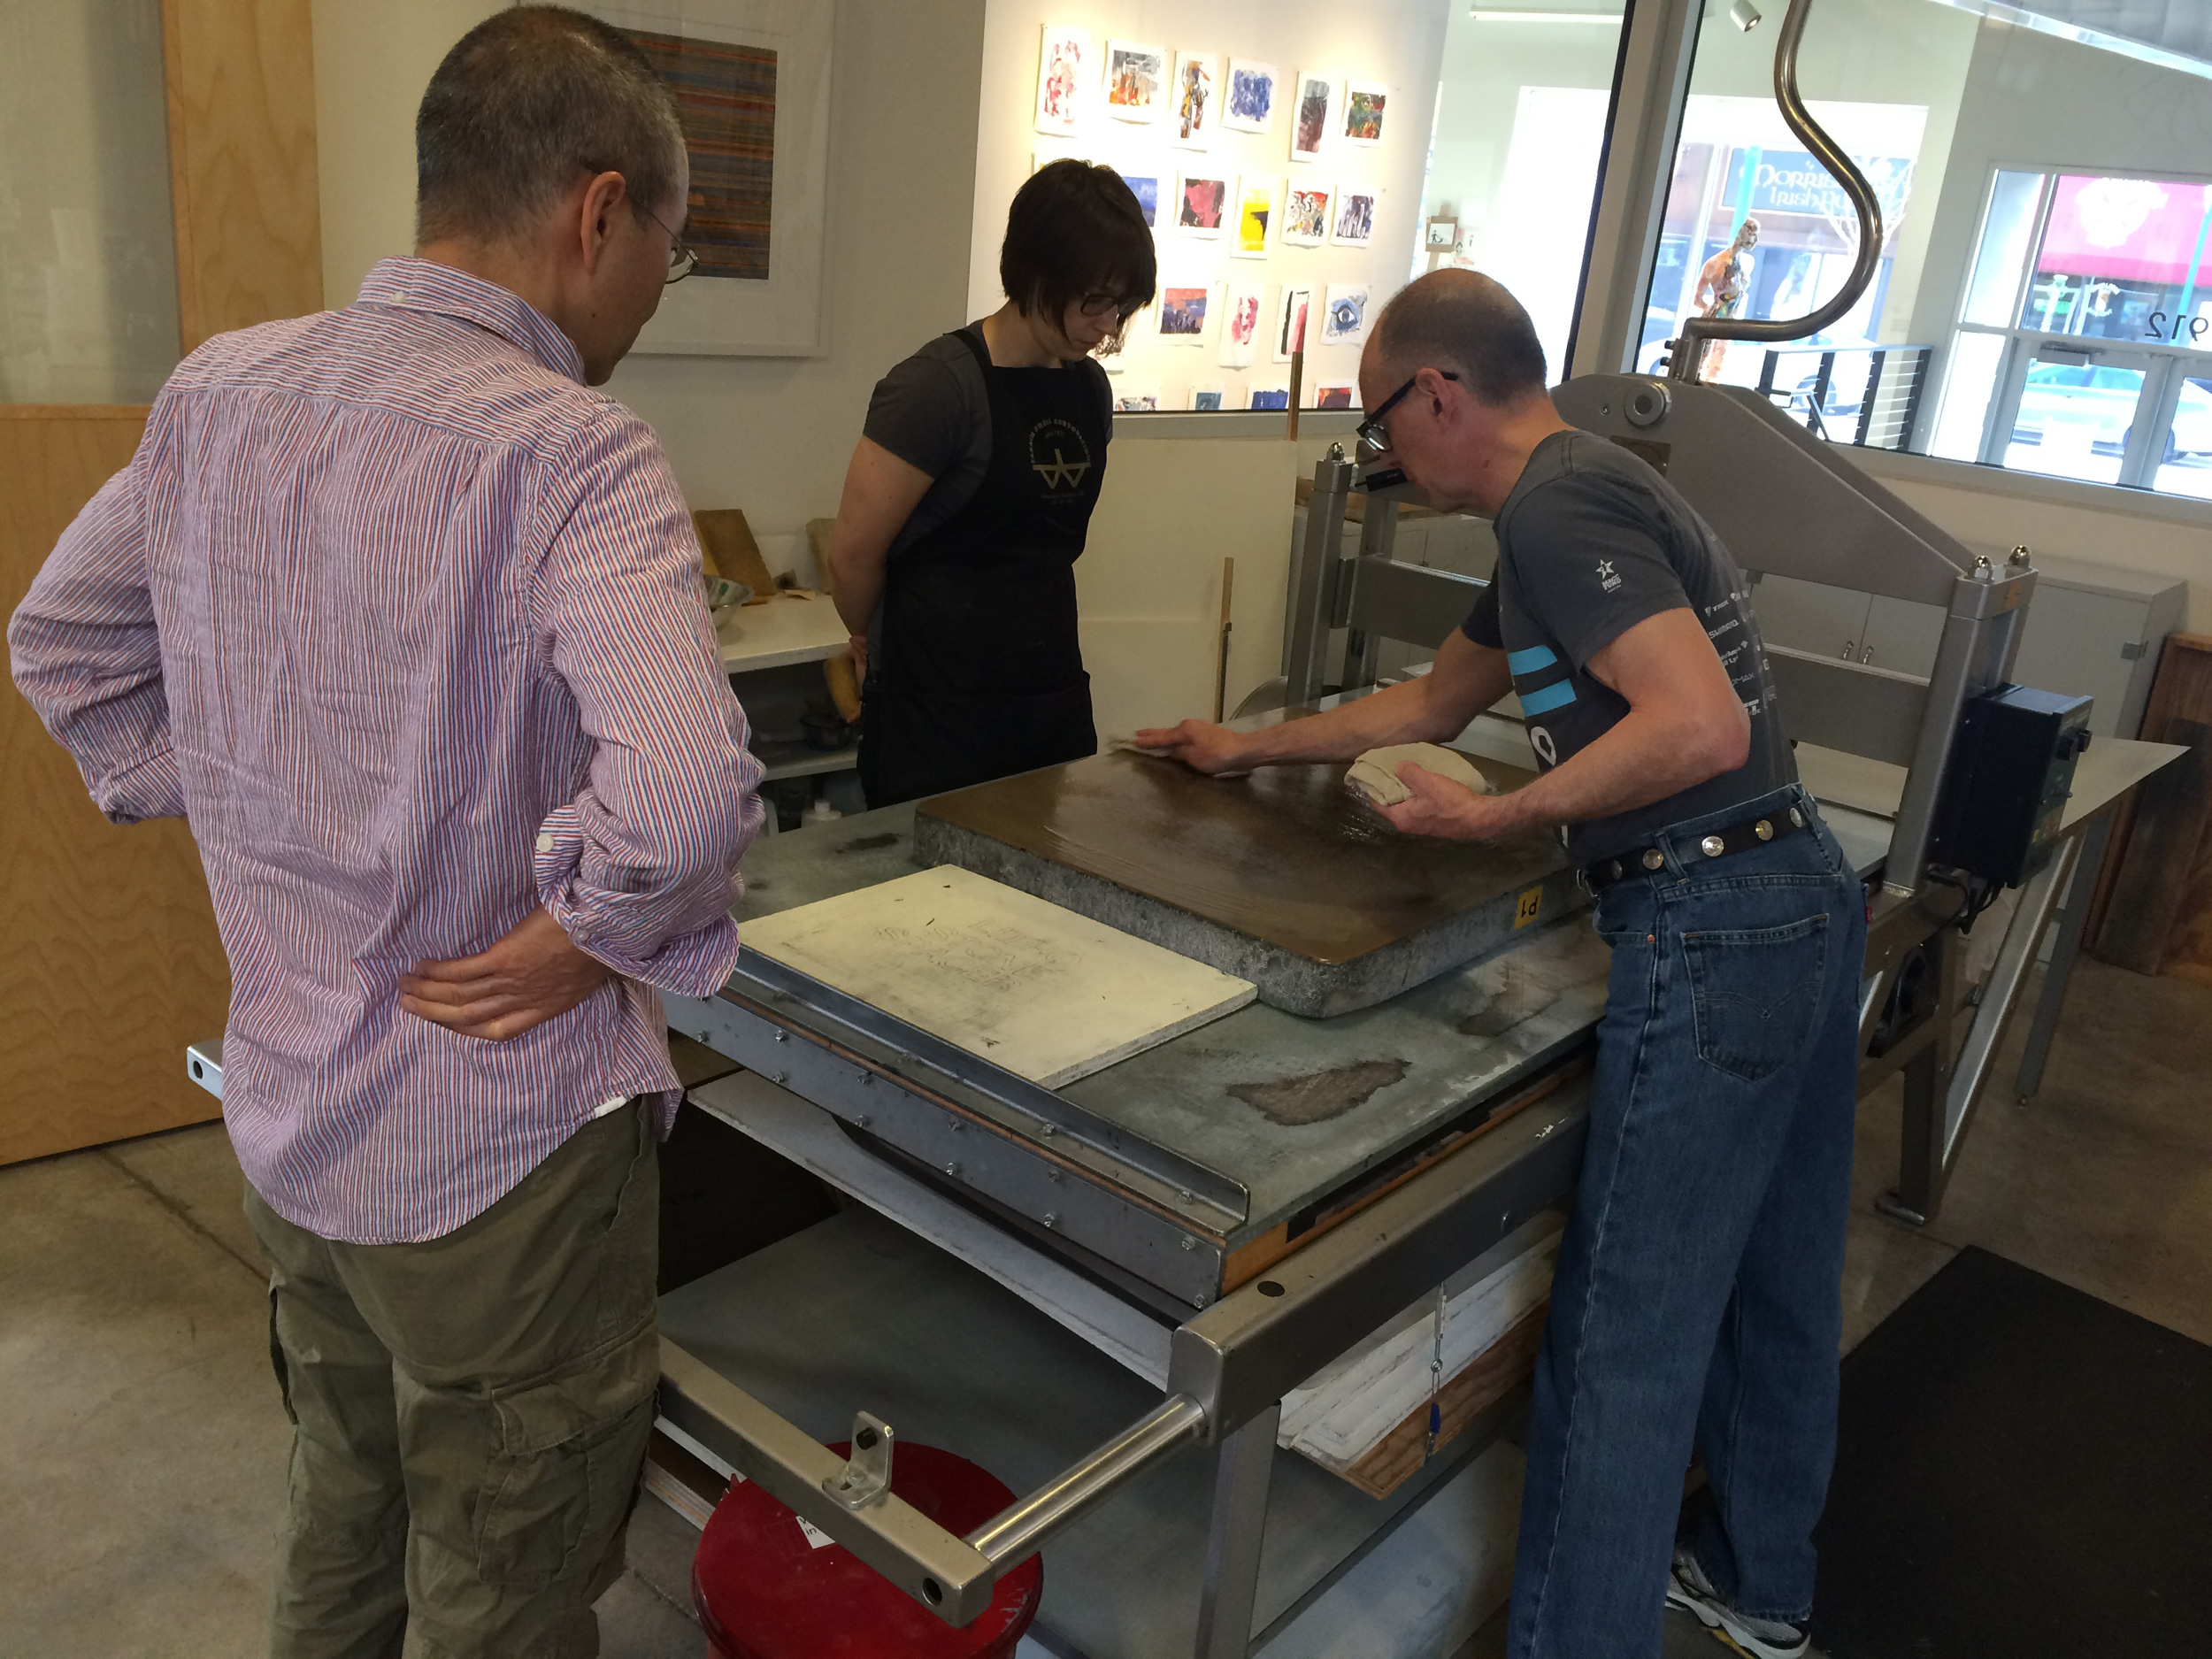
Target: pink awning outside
2141	230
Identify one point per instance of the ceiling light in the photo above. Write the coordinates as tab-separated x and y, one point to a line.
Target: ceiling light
1744	16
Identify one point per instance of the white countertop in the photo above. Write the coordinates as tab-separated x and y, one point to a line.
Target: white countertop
784	630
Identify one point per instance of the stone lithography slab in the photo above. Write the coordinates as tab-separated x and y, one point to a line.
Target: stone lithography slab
1046	994
1281	878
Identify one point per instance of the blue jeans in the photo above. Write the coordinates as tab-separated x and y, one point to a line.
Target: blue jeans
1698	1300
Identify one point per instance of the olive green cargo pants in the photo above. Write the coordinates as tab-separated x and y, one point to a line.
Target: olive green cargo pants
470	1413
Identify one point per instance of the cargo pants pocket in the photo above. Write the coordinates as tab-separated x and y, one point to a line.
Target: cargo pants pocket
559	1486
1754	991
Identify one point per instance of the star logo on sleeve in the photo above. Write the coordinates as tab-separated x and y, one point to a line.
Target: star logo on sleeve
1608	578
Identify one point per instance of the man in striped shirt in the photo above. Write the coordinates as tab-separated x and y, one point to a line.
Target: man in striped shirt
408	623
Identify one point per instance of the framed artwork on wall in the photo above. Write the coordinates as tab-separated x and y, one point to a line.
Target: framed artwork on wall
1364	101
1202	202
752	79
1292	320
1311	105
1061	65
1345	316
1256	211
1306	214
1248	105
1146	188
1136	80
1240	325
1191	116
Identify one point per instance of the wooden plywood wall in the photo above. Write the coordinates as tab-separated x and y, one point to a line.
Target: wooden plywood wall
111	963
240	77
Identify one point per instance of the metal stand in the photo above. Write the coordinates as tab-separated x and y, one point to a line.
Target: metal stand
1243	1466
2073	918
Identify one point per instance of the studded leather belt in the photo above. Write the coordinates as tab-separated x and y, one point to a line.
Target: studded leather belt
1737	838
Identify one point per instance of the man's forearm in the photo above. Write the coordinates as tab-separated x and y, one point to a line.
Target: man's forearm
1403	713
1647	756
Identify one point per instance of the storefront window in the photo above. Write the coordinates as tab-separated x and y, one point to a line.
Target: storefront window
2043	299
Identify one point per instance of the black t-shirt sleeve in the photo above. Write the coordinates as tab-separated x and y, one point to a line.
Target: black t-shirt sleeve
922	412
1481	625
1589	562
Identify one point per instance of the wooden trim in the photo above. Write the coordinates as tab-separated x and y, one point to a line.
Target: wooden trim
1488	1377
75	411
112	963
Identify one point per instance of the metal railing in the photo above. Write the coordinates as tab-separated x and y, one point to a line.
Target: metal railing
1866	395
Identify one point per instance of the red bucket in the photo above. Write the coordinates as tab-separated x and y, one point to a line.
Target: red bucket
765	1590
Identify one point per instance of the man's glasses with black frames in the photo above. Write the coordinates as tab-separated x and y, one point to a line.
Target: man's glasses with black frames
1372	434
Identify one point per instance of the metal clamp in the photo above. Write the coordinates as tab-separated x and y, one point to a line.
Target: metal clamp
866	1475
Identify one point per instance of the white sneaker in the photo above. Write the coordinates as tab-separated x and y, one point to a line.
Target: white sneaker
1689	1589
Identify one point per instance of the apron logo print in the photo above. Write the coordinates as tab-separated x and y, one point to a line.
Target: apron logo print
1056	469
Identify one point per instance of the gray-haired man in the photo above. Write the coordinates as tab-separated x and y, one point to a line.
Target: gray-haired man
408	622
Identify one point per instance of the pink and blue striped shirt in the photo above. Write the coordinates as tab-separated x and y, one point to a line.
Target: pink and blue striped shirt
408	623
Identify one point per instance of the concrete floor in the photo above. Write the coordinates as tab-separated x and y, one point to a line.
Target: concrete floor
144	1447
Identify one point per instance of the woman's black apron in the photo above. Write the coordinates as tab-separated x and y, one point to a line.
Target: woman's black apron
976	671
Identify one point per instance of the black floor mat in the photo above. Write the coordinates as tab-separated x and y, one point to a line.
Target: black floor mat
2023	1471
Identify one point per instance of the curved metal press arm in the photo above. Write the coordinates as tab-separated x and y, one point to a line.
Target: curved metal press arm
1689	351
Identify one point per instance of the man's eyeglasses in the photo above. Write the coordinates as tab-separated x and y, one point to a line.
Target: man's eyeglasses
681	261
1372	434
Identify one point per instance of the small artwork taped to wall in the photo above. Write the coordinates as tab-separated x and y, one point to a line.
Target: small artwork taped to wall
1108	353
1364	104
1207	398
1332	395
1292	322
1255	209
1182	315
1344	316
1200	204
1060	71
1136	403
1193	114
1355	223
1270	397
1146	188
1136	80
1309	113
1306	215
1250	103
1240	325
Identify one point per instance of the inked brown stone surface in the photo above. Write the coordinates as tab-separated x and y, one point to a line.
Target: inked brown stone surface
1287	854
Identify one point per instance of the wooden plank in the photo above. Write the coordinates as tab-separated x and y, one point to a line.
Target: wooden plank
2162	852
1042	991
1502	1367
240	77
2183	688
113	964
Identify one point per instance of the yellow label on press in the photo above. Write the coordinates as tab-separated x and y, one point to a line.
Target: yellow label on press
1525	912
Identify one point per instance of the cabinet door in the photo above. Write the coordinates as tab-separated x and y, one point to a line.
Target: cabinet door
1810	617
2073	642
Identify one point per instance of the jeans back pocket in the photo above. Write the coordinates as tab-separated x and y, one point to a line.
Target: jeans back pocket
1754	991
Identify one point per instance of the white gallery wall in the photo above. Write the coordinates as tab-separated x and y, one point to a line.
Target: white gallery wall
1393	43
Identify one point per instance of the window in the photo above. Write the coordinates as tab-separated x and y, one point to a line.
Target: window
2086	310
2043	299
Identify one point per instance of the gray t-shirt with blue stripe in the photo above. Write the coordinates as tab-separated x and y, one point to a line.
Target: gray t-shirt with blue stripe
1591	542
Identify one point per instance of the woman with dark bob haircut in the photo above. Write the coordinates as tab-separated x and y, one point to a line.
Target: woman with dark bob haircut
968	497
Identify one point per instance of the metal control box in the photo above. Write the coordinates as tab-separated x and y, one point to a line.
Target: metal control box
2010	778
